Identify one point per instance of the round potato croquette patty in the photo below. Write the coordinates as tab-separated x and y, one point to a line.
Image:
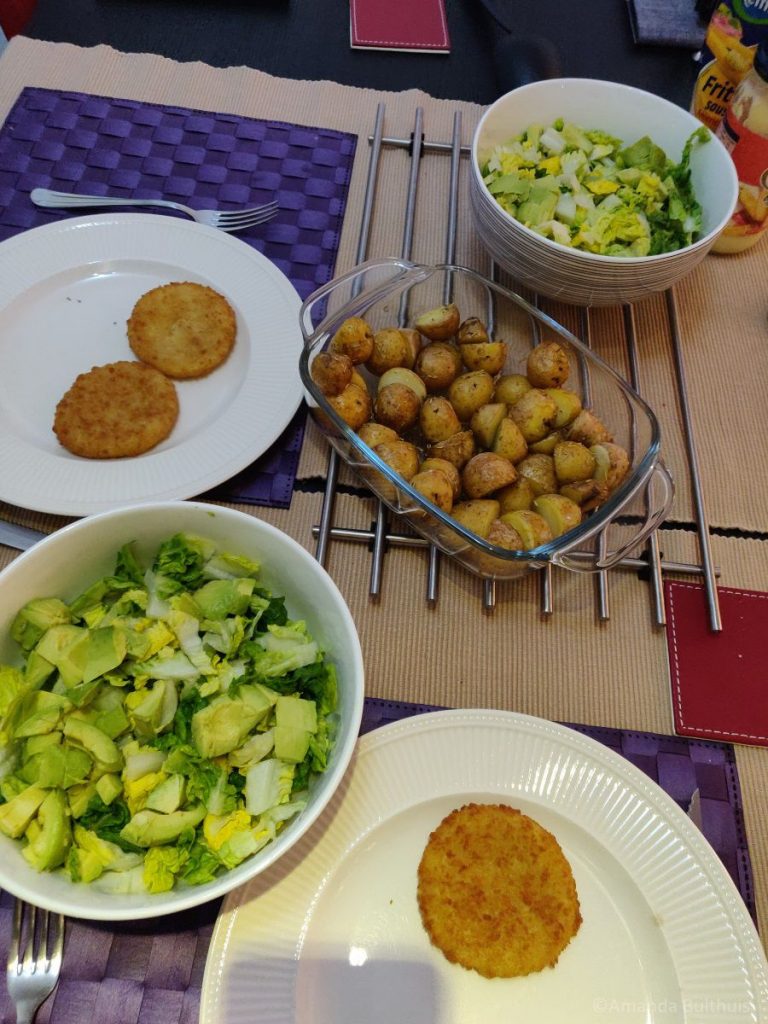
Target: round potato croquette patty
183	329
496	892
115	411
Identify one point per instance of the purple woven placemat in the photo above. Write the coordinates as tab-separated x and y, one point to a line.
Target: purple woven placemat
150	972
75	142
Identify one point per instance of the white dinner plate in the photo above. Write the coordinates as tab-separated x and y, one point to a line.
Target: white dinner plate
331	934
66	292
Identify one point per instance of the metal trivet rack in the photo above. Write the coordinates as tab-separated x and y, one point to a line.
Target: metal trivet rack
380	537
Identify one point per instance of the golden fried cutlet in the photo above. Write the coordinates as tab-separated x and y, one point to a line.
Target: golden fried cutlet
183	329
117	410
496	892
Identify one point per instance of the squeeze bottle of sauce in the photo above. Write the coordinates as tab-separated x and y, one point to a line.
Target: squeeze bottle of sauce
744	132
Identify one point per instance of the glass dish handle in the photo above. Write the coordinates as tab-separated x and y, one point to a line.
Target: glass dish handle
399	269
659	504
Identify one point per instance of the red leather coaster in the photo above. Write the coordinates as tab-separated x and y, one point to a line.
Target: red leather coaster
419	25
719	680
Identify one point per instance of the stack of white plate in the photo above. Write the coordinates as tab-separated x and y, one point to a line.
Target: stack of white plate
572	275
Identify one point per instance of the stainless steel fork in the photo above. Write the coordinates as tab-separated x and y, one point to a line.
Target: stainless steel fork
34	958
225	220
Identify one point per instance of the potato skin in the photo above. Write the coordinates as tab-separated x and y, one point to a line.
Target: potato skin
449	471
485	355
373	433
533	528
486	473
402	375
612	464
390	349
438	364
477	516
354	338
534	413
353	405
469	391
560	513
510	388
402	456
504	536
457	449
435	487
548	365
485	422
509	441
540	471
573	461
397	406
588	429
518	496
331	371
413	340
472	331
438	420
440	323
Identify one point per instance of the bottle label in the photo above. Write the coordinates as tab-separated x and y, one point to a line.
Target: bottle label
749	151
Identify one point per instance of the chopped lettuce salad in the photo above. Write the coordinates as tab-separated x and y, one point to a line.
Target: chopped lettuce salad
585	189
164	726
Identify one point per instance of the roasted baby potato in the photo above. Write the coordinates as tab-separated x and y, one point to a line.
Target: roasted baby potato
477	516
588	429
568	406
486	473
548	365
472	332
485	422
509	441
435	486
504	536
449	471
517	496
510	388
540	471
437	419
533	528
573	461
413	338
546	445
402	456
560	513
534	413
397	406
402	375
484	355
438	364
440	323
457	449
355	339
469	391
612	464
390	348
373	433
588	494
353	405
331	371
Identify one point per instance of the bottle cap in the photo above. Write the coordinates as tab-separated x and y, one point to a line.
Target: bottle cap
761	60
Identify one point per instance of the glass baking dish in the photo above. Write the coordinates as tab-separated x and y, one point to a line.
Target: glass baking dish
392	292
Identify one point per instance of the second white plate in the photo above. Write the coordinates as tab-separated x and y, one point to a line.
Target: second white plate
331	934
66	292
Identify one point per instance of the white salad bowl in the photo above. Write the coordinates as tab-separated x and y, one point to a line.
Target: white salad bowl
567	274
65	563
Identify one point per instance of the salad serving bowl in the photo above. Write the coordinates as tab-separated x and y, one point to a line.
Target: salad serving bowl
70	560
569	274
395	291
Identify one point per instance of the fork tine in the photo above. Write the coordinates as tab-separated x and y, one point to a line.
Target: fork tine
14	951
255	215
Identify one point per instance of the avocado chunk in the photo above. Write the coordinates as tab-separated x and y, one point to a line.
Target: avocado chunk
49	846
106	650
35	744
16	814
66	647
223	725
291	744
39	713
167	796
36	617
37	670
57	766
101	748
109	787
79	798
152	828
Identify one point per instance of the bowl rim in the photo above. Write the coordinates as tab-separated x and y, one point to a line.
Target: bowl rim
476	179
415	273
151	905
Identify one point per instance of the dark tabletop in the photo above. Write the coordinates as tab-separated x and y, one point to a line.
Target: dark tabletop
309	39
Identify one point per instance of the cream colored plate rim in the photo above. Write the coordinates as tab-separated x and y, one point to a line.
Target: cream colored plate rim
263	965
66	291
